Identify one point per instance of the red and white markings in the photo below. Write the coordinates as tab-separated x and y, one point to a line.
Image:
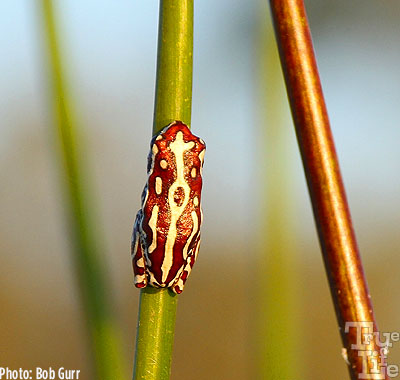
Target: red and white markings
166	233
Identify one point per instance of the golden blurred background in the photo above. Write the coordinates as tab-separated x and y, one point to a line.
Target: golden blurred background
255	195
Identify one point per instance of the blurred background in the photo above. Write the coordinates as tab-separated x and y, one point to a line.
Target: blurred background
255	198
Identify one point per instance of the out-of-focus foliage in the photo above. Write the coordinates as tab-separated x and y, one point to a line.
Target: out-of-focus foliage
110	58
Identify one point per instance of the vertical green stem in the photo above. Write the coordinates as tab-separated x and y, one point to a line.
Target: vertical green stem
276	339
173	101
89	268
155	334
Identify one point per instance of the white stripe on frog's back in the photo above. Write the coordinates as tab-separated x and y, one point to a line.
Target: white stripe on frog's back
178	147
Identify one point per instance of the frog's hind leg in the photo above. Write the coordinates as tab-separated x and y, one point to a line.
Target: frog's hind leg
179	284
138	262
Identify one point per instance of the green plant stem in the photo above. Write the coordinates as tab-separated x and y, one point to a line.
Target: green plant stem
104	337
155	336
277	333
173	101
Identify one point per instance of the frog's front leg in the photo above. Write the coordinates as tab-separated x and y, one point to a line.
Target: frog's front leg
138	262
179	284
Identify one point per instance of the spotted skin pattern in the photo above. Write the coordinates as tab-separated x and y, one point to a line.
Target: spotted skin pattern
166	233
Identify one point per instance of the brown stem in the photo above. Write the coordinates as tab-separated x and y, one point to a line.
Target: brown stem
332	216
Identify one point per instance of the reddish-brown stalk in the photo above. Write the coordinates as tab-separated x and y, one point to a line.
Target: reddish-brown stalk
339	247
